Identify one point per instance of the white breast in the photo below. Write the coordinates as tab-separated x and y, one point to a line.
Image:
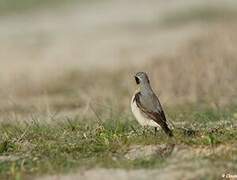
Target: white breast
140	117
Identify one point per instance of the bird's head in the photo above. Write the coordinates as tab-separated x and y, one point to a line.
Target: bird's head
141	78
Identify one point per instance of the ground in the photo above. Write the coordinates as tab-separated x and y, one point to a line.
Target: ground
67	80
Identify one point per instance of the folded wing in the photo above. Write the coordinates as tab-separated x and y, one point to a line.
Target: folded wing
157	114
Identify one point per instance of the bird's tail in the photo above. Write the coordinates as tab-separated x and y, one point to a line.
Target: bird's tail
167	130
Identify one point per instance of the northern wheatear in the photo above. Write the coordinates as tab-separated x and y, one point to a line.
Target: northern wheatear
146	106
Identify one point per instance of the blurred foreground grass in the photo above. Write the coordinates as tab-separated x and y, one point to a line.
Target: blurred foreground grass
37	147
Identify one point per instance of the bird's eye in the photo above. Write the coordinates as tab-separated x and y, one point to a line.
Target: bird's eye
137	80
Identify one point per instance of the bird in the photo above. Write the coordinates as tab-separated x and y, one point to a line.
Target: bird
146	106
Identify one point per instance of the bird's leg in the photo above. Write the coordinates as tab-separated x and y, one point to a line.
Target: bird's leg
155	130
144	130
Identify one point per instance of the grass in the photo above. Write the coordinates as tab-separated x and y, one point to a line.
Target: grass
200	14
38	147
18	6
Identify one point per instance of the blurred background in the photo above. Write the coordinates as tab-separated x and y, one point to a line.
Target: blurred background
62	56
